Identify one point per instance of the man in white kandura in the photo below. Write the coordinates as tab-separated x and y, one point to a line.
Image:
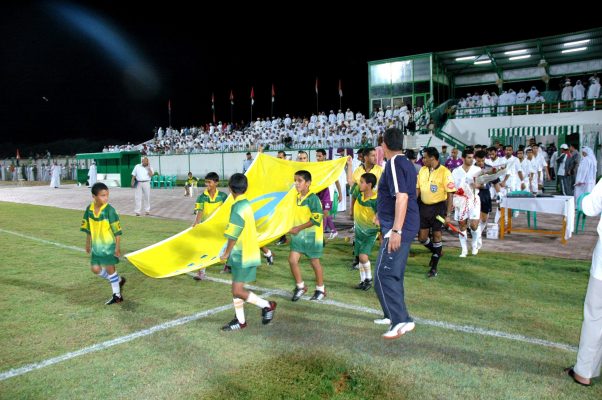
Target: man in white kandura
92	174
141	176
467	204
586	173
589	357
55	173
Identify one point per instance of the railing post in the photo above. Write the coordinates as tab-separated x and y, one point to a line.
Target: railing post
527	109
558	107
511	110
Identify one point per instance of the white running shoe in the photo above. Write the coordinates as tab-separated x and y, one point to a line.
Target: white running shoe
333	235
399	330
382	321
475	251
463	254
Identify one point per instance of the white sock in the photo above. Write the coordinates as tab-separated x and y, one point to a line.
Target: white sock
114	279
320	288
103	274
258	301
362	272
367	271
268	254
300	285
475	237
482	226
239	309
462	237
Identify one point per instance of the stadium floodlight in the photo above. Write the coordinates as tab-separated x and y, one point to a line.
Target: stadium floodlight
515	52
577	43
520	57
466	58
574	50
482	62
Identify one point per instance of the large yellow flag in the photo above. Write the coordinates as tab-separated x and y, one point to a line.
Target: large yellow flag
272	195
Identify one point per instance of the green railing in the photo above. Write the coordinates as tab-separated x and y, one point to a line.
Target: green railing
449	139
528	109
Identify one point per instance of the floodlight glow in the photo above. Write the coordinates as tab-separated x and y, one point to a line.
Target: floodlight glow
577	43
574	50
515	52
466	58
520	57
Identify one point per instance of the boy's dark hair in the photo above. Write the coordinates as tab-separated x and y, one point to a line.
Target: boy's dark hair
467	151
431	152
97	187
491	148
508	145
369	178
248	153
305	175
282	152
410	154
238	183
394	139
321	151
480	154
212	176
302	152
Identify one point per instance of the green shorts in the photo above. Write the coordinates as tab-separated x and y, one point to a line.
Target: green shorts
247	274
364	243
103	260
308	249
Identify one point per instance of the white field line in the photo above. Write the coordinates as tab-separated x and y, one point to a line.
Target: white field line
170	324
439	324
110	343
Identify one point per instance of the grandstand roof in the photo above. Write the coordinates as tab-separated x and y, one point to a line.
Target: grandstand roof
560	49
104	155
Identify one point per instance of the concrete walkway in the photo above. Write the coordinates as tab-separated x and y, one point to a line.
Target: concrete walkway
171	203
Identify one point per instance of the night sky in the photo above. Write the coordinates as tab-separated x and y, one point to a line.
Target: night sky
107	70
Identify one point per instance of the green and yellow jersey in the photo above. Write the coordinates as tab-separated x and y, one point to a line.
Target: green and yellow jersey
310	241
364	211
208	204
241	228
102	227
366	231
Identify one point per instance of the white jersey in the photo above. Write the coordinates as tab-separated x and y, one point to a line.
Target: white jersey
463	178
468	204
513	167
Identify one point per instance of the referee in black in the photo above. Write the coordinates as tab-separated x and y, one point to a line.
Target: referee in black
435	192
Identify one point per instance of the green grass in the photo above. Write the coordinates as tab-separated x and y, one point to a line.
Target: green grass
51	304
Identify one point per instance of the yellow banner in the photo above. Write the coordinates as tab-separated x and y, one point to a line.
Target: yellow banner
272	195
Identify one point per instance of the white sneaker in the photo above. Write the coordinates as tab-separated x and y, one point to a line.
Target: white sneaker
475	251
333	235
399	330
382	321
463	254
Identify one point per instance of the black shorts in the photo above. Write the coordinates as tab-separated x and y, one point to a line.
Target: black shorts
428	214
485	197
